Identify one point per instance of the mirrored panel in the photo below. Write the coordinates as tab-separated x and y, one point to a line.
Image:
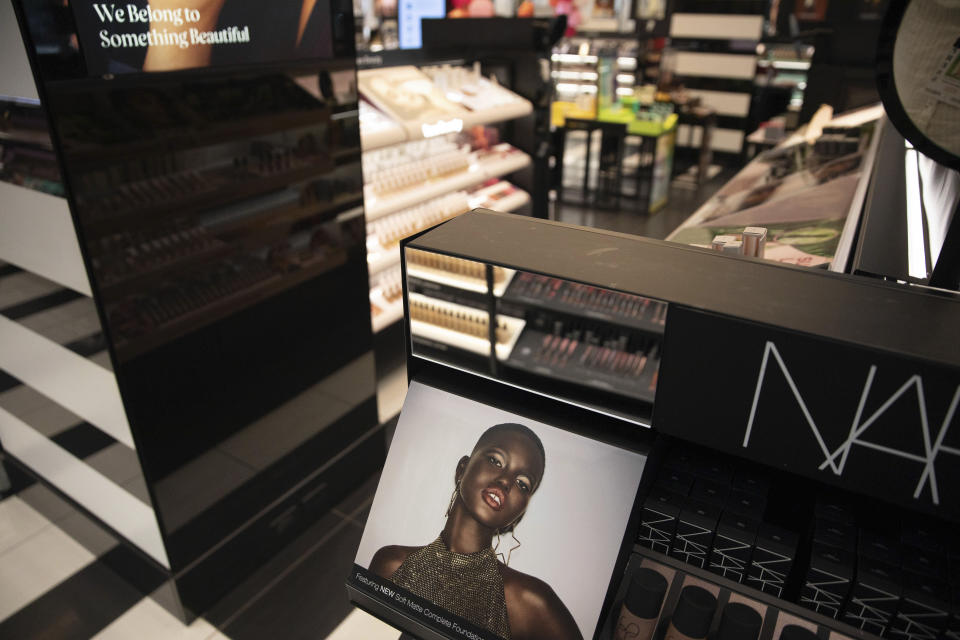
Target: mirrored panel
589	346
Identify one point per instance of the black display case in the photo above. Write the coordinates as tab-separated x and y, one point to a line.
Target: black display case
758	484
212	165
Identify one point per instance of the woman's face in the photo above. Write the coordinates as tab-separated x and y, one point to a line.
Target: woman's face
499	478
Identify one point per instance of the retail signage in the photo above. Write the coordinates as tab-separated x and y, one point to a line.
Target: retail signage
173	35
479	511
871	421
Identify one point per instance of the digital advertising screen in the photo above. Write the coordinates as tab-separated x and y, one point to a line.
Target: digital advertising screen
174	35
489	525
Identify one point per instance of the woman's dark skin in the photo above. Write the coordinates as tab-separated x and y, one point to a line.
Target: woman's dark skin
496	482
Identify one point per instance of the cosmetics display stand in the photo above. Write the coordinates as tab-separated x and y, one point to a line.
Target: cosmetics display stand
808	192
420	170
758	490
213	233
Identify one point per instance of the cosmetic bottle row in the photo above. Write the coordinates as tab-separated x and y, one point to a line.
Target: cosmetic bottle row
198	293
193	179
416	171
128	253
468	274
389	230
383	160
190	115
894	576
659	601
466	328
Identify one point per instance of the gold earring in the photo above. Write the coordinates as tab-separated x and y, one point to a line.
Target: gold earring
513	548
453	498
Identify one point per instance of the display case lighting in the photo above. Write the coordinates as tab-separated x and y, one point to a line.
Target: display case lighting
575	75
573	58
916	245
441	127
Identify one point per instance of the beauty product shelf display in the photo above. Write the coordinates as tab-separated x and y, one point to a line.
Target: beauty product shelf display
186	300
383	245
461	326
427	158
808	192
26	152
212	225
432	101
181	118
420	176
873	569
587	342
385	233
590	71
456	273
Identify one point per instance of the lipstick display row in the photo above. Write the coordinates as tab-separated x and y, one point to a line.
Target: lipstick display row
583	299
614	359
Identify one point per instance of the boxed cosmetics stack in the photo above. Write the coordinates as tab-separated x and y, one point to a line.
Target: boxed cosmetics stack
899	580
428	157
843	563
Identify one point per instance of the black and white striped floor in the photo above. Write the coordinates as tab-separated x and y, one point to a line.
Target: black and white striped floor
63	576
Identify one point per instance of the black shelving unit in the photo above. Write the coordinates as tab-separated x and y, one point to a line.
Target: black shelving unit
761	368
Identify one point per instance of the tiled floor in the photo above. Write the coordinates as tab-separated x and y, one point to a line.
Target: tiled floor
63	577
54	586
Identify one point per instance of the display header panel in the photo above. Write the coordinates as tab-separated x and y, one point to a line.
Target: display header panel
490	525
175	35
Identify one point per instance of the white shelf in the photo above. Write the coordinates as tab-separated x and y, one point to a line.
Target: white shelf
39	236
378	261
458	281
390	311
502	160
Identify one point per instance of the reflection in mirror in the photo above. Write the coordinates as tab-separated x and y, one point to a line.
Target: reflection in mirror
923	95
584	345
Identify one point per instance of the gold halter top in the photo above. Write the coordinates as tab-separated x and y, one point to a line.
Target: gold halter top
466	584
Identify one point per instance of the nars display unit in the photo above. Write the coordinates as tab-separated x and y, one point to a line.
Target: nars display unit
798	452
211	161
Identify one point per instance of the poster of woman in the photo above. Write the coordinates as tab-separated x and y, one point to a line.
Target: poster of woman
509	524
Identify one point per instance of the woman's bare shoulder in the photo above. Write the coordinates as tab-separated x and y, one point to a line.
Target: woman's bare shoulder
388	559
534	607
